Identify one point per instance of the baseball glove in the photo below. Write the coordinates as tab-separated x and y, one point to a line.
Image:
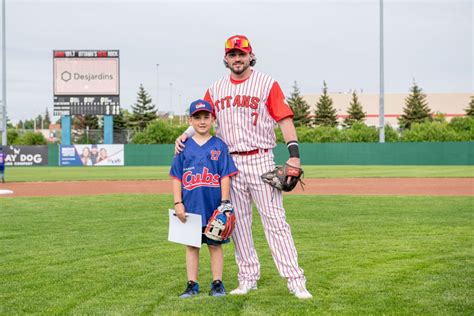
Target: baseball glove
221	226
284	178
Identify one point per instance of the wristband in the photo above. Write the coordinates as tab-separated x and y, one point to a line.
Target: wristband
293	149
225	201
176	203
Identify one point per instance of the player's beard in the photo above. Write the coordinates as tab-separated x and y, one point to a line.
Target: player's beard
240	71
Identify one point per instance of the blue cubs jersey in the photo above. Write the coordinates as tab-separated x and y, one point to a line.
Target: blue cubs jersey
200	169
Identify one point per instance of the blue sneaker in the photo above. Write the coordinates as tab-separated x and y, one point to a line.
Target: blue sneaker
192	288
217	288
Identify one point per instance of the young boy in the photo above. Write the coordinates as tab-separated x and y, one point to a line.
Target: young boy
201	182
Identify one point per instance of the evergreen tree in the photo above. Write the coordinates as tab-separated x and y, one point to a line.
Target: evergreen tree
84	121
325	113
46	119
355	111
120	121
300	108
416	108
9	123
40	122
470	109
143	110
92	121
29	124
121	134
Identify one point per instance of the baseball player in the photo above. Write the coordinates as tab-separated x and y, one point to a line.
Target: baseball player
201	184
247	104
2	165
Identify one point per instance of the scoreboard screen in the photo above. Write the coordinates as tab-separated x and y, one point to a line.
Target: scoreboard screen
86	82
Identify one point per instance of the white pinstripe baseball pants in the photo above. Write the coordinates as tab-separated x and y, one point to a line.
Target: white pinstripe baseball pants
246	187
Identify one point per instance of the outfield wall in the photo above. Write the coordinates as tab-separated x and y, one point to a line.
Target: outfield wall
447	153
442	153
149	155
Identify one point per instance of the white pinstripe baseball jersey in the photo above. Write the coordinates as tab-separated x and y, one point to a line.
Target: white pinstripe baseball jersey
247	111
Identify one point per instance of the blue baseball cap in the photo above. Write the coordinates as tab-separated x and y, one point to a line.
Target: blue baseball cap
198	106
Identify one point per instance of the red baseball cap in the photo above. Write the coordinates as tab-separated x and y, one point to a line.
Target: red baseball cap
239	42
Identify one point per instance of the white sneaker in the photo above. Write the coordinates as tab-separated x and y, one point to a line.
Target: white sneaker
243	289
301	293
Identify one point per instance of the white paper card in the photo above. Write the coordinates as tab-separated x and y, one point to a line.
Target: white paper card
188	233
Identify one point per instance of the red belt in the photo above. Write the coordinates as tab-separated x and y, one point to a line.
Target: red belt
249	153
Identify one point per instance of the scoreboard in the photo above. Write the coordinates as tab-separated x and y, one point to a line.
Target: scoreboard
93	105
86	82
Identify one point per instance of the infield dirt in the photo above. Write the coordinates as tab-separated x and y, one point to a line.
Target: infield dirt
351	186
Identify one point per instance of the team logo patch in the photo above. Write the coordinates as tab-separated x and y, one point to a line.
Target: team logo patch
215	154
204	179
200	106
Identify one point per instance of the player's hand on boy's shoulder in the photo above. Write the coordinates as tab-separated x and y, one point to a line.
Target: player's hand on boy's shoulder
180	212
179	143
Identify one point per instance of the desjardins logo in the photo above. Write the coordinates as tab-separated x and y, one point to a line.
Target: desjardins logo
90	77
66	76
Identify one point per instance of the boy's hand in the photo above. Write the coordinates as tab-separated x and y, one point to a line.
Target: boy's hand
226	208
180	212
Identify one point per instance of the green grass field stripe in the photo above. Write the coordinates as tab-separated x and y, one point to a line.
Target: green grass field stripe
361	255
29	174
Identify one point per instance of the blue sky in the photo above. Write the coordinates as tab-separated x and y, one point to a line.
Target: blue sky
306	41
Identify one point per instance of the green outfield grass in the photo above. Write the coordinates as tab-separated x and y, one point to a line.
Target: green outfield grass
27	174
109	255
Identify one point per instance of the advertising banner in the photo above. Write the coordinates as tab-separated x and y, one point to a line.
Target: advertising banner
81	76
92	155
25	155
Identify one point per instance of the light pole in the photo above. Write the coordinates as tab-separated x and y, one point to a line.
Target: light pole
381	93
171	96
157	86
4	79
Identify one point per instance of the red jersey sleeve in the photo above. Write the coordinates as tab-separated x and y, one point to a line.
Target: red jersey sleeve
277	105
207	97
